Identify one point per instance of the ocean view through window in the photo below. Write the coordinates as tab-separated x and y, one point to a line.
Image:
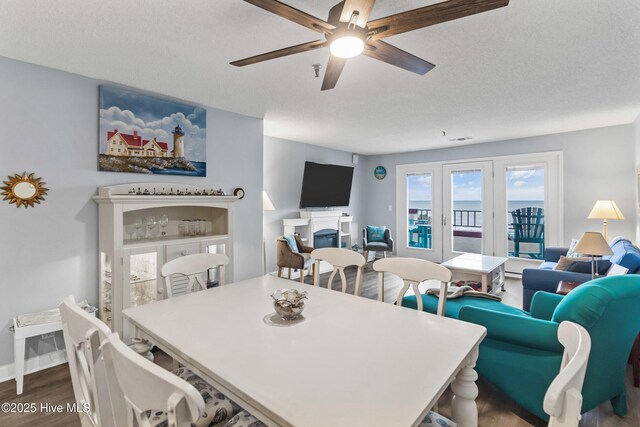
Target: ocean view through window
524	197
525	216
420	213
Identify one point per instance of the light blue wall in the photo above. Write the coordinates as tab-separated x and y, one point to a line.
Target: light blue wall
283	170
49	122
636	137
598	164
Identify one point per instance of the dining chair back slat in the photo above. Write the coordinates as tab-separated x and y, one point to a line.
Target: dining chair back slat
195	269
413	271
339	259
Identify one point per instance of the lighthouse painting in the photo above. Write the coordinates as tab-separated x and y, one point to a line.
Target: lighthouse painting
145	134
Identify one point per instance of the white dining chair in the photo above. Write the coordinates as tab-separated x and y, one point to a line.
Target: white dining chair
563	399
413	271
339	259
154	396
189	273
151	394
83	334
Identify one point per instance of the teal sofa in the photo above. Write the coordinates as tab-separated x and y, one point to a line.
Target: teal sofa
521	354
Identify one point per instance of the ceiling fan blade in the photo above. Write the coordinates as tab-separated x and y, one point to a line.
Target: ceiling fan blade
363	7
293	14
430	15
332	74
304	47
390	54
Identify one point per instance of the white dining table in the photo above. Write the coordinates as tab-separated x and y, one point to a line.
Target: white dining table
351	361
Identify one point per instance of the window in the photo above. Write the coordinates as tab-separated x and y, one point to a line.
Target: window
466	211
525	211
419	210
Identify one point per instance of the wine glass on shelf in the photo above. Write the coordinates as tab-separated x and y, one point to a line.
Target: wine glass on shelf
155	230
164	221
137	225
149	223
130	229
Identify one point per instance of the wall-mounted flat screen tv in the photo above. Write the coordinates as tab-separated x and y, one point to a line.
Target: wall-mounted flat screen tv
325	185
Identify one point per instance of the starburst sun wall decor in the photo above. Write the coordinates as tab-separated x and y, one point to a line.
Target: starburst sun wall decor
24	190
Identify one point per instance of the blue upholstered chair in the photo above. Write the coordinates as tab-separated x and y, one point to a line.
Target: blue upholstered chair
376	239
521	353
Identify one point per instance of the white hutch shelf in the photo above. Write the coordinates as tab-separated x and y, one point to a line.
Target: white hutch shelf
131	258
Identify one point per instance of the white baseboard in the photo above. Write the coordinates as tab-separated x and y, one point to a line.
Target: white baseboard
34	364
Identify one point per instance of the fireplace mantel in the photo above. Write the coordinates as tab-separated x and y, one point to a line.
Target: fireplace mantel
313	221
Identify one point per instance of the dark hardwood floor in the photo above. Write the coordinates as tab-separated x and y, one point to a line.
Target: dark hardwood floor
53	385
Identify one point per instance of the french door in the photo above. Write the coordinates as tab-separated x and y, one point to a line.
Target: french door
528	215
419	221
506	206
467	198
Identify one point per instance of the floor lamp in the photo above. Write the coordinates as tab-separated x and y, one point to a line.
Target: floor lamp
605	210
267	205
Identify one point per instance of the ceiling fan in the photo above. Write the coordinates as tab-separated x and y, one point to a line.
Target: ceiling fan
348	32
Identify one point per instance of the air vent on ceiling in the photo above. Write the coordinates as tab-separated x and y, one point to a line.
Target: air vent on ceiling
464	138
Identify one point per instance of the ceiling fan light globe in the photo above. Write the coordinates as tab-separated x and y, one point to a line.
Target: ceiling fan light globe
347	47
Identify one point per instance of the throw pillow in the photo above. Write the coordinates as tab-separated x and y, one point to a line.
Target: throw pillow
375	234
291	241
617	270
299	242
571	253
602	266
565	262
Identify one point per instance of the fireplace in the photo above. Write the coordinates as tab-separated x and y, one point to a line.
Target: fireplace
325	238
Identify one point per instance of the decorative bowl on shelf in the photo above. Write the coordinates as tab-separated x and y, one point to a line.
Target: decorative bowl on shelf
289	303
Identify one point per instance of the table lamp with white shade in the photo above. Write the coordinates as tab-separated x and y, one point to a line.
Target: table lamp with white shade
267	205
593	244
605	210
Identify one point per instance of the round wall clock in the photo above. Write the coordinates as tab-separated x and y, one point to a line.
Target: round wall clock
238	192
380	172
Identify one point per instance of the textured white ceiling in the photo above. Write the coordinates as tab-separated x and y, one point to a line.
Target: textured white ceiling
534	67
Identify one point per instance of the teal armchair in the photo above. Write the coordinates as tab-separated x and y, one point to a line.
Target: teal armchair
521	354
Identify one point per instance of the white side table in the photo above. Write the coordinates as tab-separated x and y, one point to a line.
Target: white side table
21	333
491	269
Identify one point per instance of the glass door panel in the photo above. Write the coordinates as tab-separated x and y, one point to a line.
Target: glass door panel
419	195
142	265
466	213
525	211
419	211
213	275
468	205
106	290
528	211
